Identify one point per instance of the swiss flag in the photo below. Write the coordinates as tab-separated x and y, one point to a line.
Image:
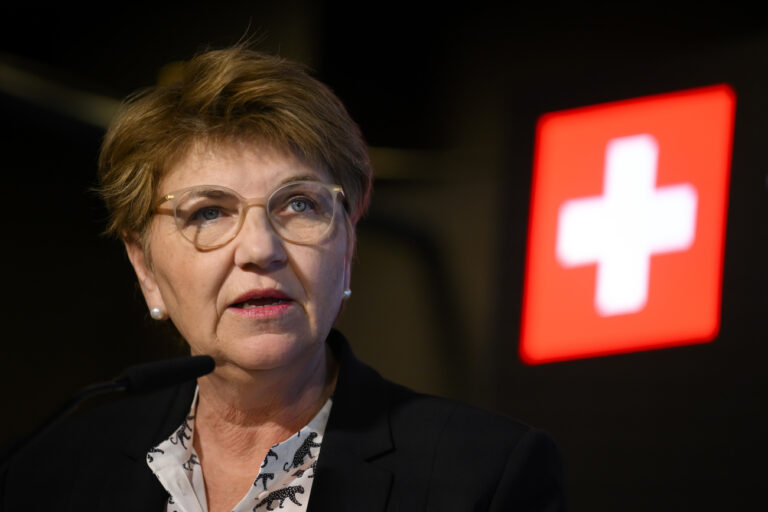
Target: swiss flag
627	225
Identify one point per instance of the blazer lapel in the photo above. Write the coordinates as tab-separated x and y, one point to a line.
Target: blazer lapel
133	487
358	430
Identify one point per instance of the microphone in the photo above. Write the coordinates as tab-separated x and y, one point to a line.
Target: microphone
141	378
159	374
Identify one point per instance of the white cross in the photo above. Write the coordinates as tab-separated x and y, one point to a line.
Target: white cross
632	220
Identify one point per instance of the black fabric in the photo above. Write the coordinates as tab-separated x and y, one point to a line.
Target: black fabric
386	448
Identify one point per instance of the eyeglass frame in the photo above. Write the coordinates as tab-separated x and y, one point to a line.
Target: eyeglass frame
336	190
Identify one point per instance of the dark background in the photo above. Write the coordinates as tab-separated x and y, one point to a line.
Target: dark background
448	100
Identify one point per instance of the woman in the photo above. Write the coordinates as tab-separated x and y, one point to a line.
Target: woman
236	192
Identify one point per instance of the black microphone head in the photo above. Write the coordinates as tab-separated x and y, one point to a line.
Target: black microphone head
158	374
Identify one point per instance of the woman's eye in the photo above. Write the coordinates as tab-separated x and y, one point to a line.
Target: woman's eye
299	205
207	214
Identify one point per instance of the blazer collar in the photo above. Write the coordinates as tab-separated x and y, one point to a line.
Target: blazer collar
131	485
171	407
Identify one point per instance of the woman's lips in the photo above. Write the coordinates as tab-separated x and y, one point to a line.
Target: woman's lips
262	304
266	311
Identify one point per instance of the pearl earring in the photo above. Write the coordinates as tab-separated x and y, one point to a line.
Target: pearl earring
156	313
347	294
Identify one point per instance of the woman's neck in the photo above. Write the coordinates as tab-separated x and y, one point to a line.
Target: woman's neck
241	415
256	410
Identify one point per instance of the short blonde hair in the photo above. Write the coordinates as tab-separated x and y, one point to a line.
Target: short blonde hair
226	95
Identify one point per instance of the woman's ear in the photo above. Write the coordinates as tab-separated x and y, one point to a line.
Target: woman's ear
350	254
143	268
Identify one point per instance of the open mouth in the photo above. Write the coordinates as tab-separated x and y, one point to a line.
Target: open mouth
260	303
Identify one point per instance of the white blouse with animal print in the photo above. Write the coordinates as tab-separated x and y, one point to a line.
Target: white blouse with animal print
284	480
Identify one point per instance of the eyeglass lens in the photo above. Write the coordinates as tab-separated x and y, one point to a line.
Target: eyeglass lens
211	216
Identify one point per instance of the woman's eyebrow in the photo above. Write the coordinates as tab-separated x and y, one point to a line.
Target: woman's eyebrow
302	177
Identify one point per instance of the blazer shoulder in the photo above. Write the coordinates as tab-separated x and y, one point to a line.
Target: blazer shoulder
451	417
497	462
440	453
361	390
92	441
122	417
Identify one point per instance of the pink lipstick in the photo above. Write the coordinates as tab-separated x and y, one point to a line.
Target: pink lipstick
268	303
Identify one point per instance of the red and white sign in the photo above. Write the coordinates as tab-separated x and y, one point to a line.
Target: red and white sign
627	226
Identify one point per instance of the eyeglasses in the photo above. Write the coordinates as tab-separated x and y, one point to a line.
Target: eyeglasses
210	216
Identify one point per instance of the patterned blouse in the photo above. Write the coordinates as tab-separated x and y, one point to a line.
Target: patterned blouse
284	480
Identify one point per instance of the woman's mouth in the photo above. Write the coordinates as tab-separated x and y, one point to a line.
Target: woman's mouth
259	303
262	305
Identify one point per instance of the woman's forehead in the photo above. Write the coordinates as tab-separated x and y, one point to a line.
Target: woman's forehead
250	168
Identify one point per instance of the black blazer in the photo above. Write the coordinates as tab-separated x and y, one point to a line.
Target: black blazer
385	448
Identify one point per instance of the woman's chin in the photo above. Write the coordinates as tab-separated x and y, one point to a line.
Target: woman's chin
267	352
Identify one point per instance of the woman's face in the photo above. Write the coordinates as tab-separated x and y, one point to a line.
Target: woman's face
293	292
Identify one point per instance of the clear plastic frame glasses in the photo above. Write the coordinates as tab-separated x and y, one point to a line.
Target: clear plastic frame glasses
210	216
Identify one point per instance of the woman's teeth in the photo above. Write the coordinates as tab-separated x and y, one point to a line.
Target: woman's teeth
260	303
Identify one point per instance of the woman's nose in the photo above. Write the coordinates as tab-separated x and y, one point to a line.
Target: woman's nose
257	243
